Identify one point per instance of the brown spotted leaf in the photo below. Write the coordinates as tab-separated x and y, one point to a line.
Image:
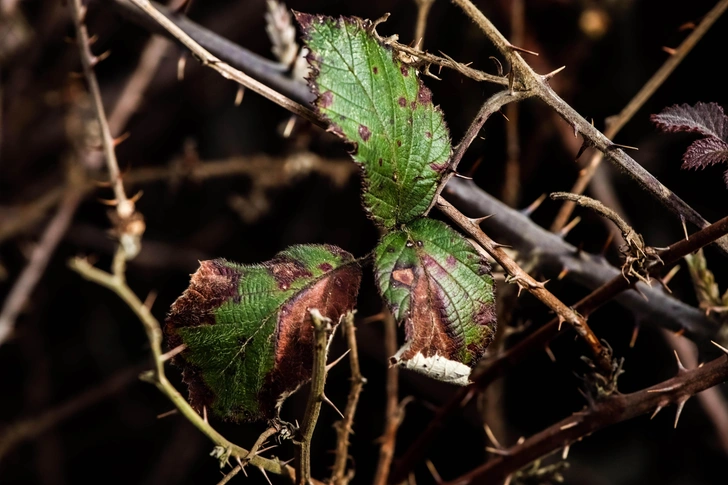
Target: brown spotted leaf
435	282
380	105
248	331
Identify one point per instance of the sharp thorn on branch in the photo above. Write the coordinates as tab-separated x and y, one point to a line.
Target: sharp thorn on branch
328	401
521	49
262	470
478	220
680	367
567	228
659	408
665	389
685	228
531	208
338	359
551	74
461	176
723	349
615	146
582	149
680	405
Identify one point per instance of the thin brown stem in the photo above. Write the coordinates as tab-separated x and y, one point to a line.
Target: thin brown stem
492	105
344	427
423	11
23	287
525	281
609	411
322	332
393	414
597	207
616	123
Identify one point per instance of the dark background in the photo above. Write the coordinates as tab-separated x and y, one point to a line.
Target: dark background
74	335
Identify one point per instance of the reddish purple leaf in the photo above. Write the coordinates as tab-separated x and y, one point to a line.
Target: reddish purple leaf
705	118
705	152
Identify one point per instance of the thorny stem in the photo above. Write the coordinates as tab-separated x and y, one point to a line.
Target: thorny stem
124	206
611	410
537	340
492	105
528	79
597	207
525	281
616	123
393	414
322	331
344	427
116	282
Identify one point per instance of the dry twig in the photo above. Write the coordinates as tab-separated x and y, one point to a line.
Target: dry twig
129	223
394	411
344	427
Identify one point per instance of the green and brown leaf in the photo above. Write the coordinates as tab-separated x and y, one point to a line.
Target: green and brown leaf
380	105
248	331
435	282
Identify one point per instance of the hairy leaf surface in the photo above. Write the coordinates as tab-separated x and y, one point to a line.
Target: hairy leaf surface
709	120
380	105
248	331
435	282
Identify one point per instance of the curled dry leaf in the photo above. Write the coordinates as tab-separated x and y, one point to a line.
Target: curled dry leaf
248	330
441	288
379	104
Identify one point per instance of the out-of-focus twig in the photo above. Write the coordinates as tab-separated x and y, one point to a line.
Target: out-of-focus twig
616	123
344	427
423	11
22	290
394	411
30	428
130	224
512	176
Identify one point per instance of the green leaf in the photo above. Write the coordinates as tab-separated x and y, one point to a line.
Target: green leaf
435	282
248	331
380	105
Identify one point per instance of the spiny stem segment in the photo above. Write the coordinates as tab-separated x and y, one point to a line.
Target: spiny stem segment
604	413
